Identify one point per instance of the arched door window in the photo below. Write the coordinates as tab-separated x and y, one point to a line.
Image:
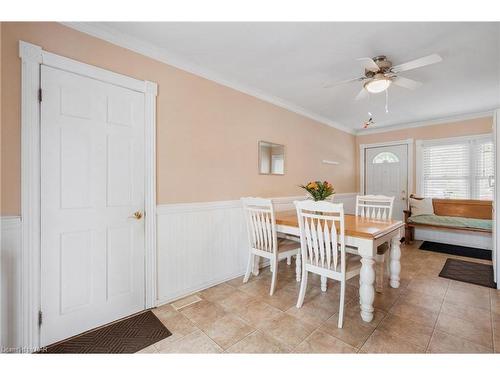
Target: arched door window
385	157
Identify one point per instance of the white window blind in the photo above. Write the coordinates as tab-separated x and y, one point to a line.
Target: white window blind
459	169
484	170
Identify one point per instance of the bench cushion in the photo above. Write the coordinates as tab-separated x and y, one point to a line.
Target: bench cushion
451	221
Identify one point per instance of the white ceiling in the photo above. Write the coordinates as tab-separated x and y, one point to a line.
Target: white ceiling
289	63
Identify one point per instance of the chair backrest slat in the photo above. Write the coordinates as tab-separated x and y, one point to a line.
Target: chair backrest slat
376	207
269	233
314	236
328	244
308	231
319	223
321	243
259	216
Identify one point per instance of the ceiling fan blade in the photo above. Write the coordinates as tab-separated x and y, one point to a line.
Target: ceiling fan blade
369	64
406	83
328	85
362	94
418	63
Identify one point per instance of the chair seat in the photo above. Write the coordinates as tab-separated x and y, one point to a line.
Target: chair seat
287	245
352	263
288	237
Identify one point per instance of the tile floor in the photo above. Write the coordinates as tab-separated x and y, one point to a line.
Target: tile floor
426	314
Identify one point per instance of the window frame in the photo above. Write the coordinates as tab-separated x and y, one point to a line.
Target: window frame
421	144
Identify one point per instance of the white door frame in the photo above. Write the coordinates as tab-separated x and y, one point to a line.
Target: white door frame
362	148
496	212
32	56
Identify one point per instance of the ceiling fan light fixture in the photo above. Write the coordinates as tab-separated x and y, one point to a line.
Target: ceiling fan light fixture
378	84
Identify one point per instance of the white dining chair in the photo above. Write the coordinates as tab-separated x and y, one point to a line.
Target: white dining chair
263	240
323	249
376	207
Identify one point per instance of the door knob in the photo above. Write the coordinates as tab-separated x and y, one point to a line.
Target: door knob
136	215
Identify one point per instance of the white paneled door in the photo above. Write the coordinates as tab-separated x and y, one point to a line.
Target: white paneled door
92	183
386	173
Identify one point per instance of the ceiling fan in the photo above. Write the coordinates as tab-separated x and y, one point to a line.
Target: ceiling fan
380	74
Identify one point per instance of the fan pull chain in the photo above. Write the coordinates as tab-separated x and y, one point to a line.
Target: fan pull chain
386	101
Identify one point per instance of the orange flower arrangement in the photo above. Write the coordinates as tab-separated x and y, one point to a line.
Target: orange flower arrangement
319	190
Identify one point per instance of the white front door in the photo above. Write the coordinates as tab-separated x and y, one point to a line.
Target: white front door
386	173
92	181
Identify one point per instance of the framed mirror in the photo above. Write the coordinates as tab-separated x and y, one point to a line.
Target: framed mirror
271	158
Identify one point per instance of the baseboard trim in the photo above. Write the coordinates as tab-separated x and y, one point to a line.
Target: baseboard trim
188	292
199	288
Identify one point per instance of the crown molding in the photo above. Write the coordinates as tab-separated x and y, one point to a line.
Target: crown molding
428	122
160	54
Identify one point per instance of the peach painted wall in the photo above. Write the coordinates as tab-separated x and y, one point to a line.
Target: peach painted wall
207	134
446	130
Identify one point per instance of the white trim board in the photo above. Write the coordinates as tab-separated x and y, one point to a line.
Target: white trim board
32	57
10	221
162	55
86	70
424	123
362	150
190	290
451	140
278	202
496	210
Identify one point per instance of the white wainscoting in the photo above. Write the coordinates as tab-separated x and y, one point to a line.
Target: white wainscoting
199	245
471	239
204	244
10	293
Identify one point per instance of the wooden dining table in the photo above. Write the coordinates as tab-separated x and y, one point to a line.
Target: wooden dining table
365	235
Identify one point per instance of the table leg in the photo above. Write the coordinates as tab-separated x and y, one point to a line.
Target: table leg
395	265
366	289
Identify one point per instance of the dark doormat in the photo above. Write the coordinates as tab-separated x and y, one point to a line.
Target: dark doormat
125	336
469	272
463	251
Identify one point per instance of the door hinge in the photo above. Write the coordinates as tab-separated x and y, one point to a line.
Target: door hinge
40	318
40	95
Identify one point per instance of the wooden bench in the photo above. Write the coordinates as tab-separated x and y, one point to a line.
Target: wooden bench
468	208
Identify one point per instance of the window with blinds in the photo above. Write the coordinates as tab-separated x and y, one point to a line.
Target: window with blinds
484	171
459	169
